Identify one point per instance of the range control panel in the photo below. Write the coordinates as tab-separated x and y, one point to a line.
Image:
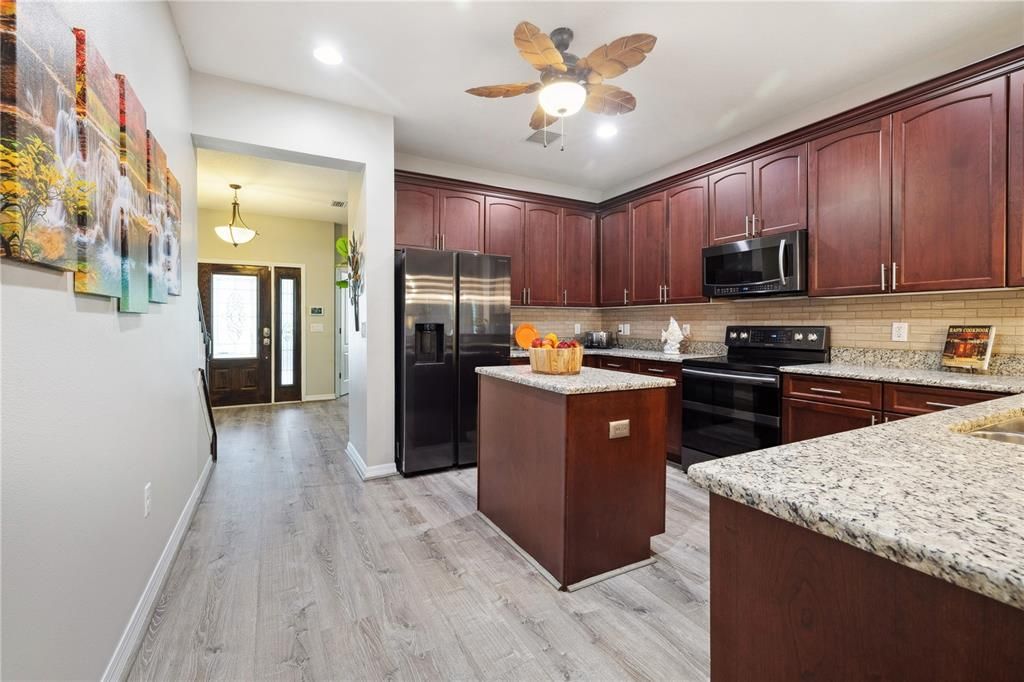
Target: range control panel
791	338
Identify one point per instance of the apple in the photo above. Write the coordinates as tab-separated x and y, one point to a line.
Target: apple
537	342
564	344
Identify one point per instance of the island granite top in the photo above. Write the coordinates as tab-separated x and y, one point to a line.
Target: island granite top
917	491
589	380
922	377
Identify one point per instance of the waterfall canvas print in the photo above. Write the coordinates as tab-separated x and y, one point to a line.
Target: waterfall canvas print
44	192
174	238
156	182
133	214
98	241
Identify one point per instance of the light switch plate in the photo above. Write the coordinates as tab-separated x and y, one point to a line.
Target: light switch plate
316	327
618	429
685	329
900	331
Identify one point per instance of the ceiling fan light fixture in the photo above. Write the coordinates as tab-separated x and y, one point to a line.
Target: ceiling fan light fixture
235	232
607	131
328	54
562	98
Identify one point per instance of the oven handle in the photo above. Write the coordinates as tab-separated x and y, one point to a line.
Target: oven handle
735	378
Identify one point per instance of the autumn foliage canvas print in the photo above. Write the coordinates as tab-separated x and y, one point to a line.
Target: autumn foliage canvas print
135	227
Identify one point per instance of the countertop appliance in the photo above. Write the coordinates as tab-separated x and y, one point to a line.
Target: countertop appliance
757	267
598	339
733	403
452	315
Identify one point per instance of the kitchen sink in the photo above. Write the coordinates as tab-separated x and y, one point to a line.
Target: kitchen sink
1009	431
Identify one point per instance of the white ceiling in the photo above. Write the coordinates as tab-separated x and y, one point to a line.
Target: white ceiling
718	70
277	188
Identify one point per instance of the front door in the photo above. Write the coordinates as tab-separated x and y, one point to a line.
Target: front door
236	303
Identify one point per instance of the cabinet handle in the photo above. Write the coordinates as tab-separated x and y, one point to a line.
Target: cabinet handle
565	297
883	276
753	227
894	275
529	295
655	370
437	242
874	420
941	406
830	391
746	226
611	364
886	420
625	297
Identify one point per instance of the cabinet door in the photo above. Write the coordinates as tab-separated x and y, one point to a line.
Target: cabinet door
780	192
949	191
802	420
416	215
578	251
542	255
686	236
462	221
614	257
849	221
730	204
647	248
674	425
504	225
1015	277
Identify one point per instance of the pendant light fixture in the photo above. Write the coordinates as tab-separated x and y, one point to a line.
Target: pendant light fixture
235	232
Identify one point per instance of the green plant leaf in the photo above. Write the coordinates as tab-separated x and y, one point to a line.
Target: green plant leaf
341	246
342	284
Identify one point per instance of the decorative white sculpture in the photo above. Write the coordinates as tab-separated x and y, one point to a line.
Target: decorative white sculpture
672	337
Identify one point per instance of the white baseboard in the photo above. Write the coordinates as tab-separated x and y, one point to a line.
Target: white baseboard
131	639
365	472
321	396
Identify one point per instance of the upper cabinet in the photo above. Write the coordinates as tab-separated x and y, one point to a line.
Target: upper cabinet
685	236
780	192
848	210
647	249
505	225
416	215
462	221
1015	277
577	250
731	202
949	191
542	227
613	262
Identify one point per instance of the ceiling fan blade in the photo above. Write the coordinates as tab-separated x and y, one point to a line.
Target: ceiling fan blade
505	90
609	100
620	55
536	47
541	119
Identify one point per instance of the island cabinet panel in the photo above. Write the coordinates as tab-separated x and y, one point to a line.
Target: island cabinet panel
788	604
849	213
462	221
686	235
674	412
542	227
949	190
780	192
614	257
804	419
416	215
731	203
504	232
647	248
1015	276
578	258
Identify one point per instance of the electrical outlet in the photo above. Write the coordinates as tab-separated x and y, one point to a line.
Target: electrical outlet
900	331
618	429
576	328
620	328
685	329
147	499
625	329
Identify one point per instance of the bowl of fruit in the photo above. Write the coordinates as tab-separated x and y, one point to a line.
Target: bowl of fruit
549	355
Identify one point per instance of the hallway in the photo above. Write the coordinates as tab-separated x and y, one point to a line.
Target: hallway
294	568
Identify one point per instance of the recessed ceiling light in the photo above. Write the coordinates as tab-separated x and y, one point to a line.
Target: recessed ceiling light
327	55
607	130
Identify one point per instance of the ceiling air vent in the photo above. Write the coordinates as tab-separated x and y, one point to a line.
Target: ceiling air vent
339	204
538	137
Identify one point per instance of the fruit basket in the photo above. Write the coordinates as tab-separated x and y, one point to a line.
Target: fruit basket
556	360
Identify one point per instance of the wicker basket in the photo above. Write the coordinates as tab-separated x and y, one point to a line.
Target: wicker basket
556	360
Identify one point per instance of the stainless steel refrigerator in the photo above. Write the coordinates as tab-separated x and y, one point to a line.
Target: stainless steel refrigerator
453	314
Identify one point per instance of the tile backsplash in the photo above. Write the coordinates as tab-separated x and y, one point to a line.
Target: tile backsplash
856	322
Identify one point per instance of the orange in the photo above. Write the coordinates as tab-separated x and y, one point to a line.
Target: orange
525	334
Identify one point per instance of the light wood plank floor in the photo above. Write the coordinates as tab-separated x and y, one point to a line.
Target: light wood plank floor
294	568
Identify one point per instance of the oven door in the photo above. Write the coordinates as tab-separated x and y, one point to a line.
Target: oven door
727	412
766	265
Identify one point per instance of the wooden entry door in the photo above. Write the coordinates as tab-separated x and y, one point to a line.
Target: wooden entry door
236	303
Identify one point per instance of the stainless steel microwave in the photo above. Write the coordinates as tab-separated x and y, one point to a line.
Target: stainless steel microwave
757	267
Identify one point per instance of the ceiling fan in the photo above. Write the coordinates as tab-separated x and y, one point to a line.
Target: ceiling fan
567	82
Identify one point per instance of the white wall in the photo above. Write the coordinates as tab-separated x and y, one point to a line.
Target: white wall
265	122
95	404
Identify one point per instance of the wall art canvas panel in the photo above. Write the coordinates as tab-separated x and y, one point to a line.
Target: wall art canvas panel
43	191
174	237
135	230
156	182
98	240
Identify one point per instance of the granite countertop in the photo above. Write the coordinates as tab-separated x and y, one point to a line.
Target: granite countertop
626	353
923	377
916	491
589	380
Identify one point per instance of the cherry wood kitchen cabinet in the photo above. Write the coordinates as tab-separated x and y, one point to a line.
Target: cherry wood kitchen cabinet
949	191
686	234
542	228
674	421
578	258
780	192
730	203
461	226
1015	277
804	419
504	235
849	215
613	262
416	215
647	249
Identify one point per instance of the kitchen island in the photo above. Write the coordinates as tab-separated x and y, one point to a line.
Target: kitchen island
571	468
891	552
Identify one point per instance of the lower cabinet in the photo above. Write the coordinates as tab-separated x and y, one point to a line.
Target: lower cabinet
674	425
616	364
519	361
803	419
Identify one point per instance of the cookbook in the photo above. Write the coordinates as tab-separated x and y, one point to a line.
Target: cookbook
968	346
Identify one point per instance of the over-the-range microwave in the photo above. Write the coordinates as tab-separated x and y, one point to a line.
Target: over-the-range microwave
757	267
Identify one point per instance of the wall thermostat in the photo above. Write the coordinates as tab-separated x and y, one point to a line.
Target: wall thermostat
316	310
